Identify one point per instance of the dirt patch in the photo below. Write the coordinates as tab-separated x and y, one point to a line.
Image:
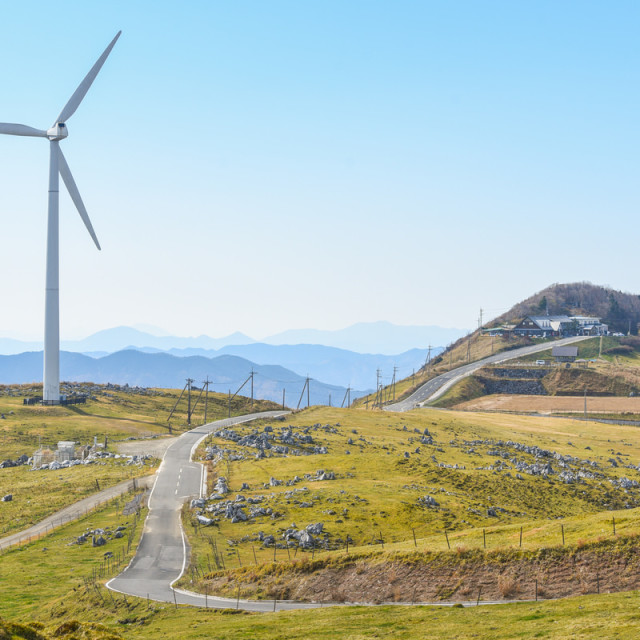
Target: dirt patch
453	577
551	404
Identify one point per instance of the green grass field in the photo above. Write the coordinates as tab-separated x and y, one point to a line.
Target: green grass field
468	469
116	415
375	497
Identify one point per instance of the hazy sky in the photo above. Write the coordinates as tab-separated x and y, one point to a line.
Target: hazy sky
258	166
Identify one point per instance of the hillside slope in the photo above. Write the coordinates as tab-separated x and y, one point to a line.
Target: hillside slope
617	309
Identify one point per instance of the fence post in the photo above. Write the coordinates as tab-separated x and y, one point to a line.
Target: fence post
447	537
415	544
562	527
520	536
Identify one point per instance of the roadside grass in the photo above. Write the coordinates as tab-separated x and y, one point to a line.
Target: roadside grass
49	586
375	497
468	388
621	415
38	494
585	617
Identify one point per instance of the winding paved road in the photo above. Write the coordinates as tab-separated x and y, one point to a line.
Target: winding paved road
435	387
163	552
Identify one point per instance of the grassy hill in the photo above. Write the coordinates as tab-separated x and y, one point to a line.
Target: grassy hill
489	507
619	310
481	479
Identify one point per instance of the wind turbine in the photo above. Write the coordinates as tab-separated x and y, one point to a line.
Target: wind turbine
58	166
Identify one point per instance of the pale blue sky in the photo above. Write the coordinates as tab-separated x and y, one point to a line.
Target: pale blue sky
259	166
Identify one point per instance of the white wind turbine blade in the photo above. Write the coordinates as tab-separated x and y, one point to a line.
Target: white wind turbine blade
21	130
83	87
69	182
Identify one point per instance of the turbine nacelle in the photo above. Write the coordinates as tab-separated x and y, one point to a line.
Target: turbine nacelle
58	131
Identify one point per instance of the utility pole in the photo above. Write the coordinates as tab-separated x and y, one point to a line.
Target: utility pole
206	398
329	398
480	319
283	392
252	374
378	393
393	382
175	406
306	386
347	393
189	382
308	392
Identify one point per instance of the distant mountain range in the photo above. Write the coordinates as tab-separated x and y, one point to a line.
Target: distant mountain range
364	337
127	355
334	366
371	337
138	368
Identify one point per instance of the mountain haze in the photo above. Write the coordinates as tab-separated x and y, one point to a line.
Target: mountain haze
371	337
137	368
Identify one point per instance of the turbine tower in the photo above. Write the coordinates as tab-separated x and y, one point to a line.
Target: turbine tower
58	167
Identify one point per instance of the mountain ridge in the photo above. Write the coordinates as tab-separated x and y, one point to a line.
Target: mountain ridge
163	370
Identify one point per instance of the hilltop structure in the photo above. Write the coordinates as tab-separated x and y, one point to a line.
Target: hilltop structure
560	326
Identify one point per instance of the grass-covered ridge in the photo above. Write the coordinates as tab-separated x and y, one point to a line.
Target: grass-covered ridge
381	489
480	478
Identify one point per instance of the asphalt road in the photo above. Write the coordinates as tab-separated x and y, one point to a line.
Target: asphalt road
163	552
435	387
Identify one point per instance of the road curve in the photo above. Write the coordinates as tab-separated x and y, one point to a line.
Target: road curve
162	554
435	387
